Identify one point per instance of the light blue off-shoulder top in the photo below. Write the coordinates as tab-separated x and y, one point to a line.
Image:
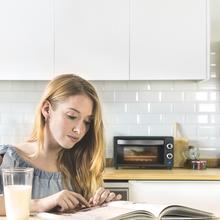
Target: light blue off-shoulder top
44	183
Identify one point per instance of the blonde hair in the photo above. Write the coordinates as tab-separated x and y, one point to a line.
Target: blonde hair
82	165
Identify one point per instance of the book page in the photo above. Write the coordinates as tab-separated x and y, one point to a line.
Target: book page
129	210
155	209
187	212
100	213
111	210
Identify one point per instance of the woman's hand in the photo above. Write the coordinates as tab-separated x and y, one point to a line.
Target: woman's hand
62	201
103	195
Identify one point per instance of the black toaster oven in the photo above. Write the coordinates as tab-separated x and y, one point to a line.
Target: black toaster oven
143	152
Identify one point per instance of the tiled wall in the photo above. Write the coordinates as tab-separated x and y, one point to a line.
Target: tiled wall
129	108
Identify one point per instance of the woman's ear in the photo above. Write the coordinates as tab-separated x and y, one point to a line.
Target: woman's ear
45	109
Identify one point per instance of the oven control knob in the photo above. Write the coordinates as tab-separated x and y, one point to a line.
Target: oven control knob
169	156
169	146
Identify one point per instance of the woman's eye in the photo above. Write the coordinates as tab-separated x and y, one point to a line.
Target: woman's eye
71	117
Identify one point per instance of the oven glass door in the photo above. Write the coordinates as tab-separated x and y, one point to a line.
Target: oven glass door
141	155
141	152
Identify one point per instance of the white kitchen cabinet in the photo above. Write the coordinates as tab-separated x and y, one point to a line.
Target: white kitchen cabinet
169	39
189	193
104	39
26	39
92	38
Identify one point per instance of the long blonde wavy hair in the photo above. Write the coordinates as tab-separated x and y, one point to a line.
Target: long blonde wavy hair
82	165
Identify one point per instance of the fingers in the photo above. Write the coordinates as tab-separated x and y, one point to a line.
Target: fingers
118	197
110	197
81	200
68	200
103	195
97	197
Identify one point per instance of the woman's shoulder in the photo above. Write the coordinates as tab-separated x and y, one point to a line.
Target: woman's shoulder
13	154
26	148
5	147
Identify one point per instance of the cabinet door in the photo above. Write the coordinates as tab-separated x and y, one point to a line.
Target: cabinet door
26	39
187	193
169	39
92	38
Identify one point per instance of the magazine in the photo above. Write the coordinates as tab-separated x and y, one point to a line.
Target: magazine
120	210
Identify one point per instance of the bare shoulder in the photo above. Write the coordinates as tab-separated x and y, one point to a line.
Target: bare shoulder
26	148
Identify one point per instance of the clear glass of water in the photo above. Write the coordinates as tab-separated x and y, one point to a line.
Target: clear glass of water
17	183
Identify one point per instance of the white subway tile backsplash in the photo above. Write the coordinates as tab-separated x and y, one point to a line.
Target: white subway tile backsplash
5	86
202	119
195	96
110	119
25	85
99	85
214	142
209	131
14	108
172	118
189	130
197	118
172	96
160	108
126	119
162	85
139	108
214	96
39	86
184	107
137	85
109	107
212	84
115	85
185	85
106	96
129	108
126	96
211	107
138	130
149	118
209	152
15	96
215	119
161	130
148	96
199	141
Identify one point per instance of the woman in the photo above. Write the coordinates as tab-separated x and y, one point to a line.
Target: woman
66	148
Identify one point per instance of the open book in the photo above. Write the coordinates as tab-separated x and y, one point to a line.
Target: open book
121	210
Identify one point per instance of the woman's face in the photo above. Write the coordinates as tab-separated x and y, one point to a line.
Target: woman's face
70	120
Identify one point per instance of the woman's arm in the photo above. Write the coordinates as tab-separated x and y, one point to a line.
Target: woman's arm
2	205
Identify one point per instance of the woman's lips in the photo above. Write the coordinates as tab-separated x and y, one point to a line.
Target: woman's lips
74	139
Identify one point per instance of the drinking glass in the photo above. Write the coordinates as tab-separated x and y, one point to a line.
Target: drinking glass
17	183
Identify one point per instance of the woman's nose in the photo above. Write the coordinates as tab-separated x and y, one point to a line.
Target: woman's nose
76	130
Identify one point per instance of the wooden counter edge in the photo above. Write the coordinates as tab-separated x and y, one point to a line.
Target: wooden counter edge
152	174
